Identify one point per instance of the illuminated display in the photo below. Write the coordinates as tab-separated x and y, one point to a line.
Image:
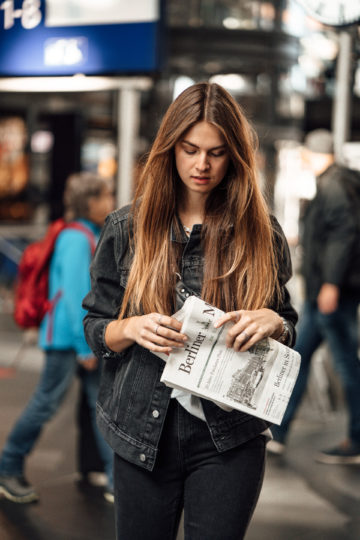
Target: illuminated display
52	37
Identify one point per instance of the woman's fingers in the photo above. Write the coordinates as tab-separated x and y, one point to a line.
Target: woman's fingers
160	333
249	327
168	329
244	340
230	316
169	340
243	335
164	321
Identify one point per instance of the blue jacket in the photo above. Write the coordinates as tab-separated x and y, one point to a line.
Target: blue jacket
69	277
132	402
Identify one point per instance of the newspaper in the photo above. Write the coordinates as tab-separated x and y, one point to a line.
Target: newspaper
258	382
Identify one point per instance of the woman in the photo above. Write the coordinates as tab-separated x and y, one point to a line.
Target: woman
198	225
88	199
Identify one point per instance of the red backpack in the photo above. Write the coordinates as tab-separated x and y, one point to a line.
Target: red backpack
32	288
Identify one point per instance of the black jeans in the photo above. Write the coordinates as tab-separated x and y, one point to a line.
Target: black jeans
218	492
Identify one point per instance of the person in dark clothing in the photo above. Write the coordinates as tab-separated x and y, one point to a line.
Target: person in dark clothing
331	301
198	226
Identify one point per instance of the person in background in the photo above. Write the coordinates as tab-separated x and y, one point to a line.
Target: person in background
198	225
331	300
88	199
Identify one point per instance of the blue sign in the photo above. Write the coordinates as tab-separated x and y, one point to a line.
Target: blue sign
64	37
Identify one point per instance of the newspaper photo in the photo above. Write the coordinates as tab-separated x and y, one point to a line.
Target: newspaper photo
258	382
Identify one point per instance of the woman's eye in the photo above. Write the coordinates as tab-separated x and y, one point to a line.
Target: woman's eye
218	154
190	152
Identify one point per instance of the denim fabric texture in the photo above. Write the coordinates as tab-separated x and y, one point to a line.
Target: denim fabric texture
132	403
218	491
339	329
56	378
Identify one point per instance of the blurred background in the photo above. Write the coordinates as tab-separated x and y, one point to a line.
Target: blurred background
84	85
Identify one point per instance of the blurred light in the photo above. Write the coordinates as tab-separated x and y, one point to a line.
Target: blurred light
107	165
41	141
320	46
181	84
351	155
65	52
298	79
297	106
231	23
89	12
232	82
312	66
305	185
293	18
75	83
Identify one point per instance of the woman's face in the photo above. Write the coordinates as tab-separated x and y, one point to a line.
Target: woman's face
202	158
99	207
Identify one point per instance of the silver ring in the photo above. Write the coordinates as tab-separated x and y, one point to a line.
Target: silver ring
157	328
246	335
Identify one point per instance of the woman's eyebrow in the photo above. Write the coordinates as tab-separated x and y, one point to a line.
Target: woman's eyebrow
210	149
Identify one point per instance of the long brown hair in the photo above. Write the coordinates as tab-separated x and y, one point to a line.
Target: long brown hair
240	269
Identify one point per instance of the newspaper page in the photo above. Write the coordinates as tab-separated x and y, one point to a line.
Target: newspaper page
258	382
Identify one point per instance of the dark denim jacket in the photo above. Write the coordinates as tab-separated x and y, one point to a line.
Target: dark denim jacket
132	401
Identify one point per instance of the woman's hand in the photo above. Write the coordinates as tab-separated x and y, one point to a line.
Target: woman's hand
328	298
90	363
250	327
156	332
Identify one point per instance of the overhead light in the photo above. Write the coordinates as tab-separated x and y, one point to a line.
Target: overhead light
231	23
181	83
74	83
232	81
320	46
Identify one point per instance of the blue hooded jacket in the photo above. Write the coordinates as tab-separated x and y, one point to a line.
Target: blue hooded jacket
69	281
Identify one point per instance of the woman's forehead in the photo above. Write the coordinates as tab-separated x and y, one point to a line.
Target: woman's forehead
204	134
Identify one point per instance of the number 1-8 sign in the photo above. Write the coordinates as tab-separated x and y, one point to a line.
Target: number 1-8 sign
29	14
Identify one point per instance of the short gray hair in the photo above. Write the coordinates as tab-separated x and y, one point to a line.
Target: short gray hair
79	188
320	141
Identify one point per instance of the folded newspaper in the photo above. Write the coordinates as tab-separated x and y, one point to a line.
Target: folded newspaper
258	381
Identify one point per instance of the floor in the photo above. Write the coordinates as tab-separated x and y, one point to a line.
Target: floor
300	500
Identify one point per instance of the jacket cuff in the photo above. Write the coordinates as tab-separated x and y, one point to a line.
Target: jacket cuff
105	351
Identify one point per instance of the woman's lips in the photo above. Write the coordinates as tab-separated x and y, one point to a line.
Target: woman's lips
201	179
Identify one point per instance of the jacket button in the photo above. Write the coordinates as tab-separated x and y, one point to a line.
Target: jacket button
142	457
182	290
156	414
187	295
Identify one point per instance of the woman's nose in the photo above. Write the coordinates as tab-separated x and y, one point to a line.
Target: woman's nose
202	162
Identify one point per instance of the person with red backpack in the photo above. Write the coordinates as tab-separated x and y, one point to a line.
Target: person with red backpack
88	199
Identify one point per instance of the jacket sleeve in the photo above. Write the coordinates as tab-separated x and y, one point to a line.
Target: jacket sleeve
103	301
283	305
340	226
